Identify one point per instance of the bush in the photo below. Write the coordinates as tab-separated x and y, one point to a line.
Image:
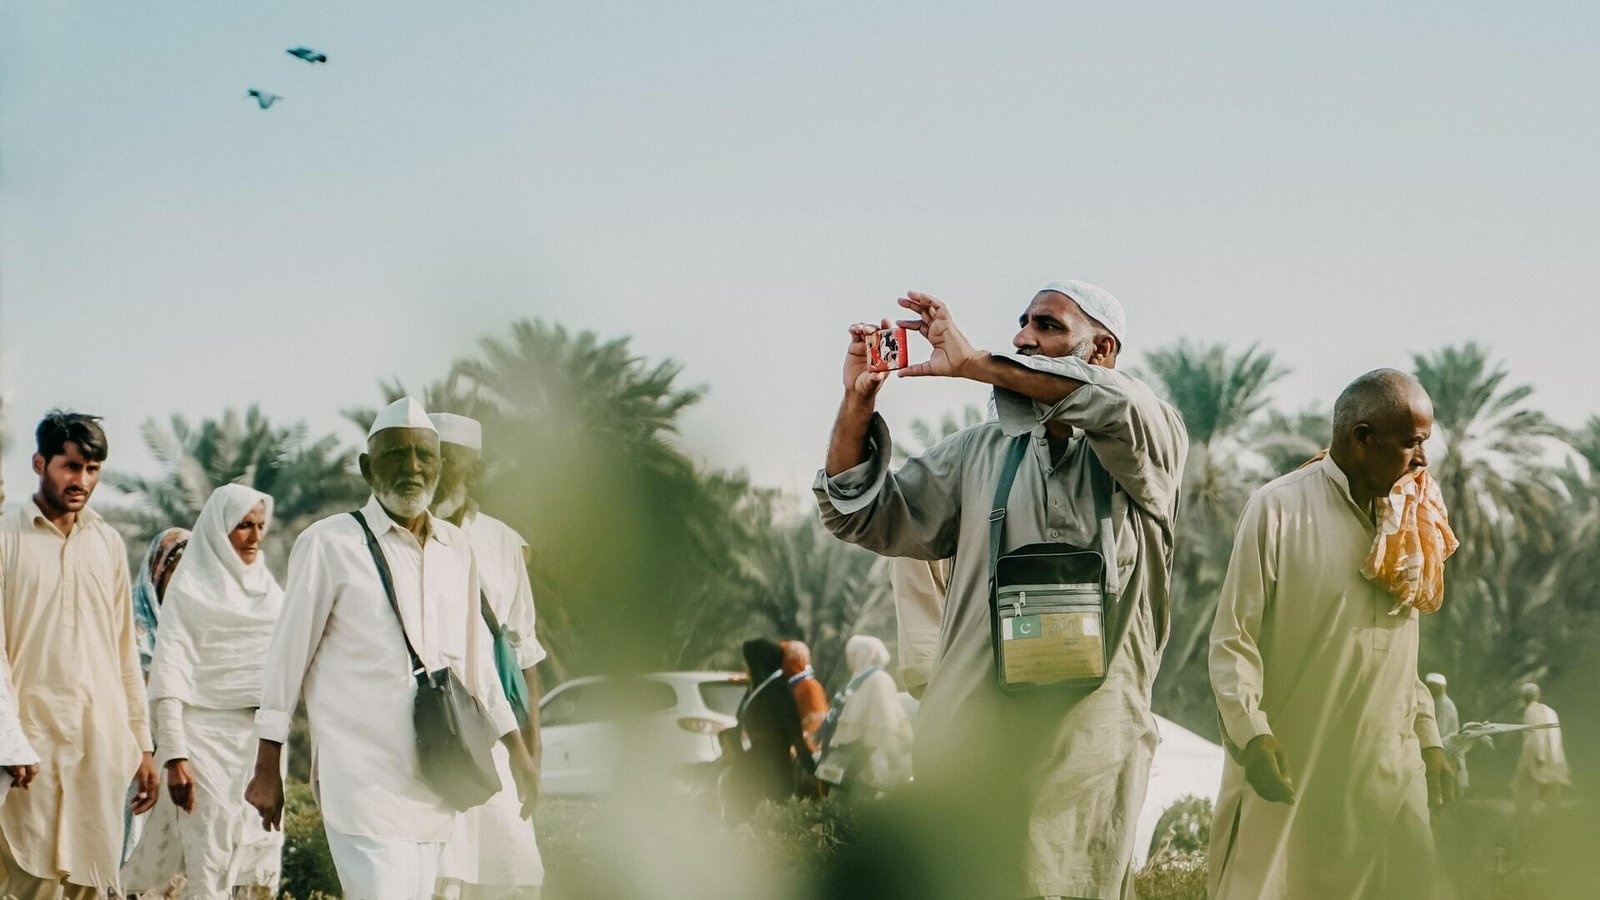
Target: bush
308	870
1184	827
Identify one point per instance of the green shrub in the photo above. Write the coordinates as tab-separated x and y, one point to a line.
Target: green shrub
1184	827
308	870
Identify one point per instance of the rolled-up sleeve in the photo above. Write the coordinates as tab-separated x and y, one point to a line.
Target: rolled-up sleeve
1138	437
1426	723
171	740
1237	672
913	512
308	599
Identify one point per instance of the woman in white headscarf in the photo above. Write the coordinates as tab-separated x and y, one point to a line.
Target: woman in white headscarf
205	682
868	736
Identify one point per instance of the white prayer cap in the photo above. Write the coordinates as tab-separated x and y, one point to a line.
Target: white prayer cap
1434	678
1096	303
403	413
459	430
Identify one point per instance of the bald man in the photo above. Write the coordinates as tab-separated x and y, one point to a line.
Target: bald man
1334	754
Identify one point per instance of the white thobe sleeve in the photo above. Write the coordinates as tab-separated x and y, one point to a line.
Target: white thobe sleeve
171	742
1426	723
128	647
913	512
485	678
307	602
523	619
1237	672
14	747
1139	439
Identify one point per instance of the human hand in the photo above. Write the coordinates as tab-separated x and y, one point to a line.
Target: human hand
525	772
860	382
22	776
145	785
265	791
180	784
1266	767
1442	788
951	350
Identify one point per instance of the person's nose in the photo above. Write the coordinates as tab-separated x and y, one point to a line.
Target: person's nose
1420	461
1024	340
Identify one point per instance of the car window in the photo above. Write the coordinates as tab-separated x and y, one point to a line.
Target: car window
723	696
607	701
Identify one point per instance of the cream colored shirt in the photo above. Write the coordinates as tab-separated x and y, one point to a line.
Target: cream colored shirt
1304	648
67	611
919	587
338	638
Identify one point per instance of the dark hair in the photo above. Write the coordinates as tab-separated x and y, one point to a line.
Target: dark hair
61	427
763	656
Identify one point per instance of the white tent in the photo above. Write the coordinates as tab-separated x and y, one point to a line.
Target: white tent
1185	764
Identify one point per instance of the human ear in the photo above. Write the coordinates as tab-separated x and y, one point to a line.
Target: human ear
38	464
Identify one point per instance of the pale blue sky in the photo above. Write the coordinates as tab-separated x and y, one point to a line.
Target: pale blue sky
1343	185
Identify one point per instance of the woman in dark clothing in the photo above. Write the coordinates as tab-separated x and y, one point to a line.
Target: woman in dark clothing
768	740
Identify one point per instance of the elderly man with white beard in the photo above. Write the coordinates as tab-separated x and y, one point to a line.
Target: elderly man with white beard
339	637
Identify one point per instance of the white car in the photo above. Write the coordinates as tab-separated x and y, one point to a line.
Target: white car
586	725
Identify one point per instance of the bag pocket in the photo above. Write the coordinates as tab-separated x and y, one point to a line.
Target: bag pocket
1050	634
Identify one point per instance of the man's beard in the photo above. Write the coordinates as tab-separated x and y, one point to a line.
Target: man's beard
452	503
407	504
1082	350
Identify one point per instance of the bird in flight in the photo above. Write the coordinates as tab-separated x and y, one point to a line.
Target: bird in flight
308	54
264	98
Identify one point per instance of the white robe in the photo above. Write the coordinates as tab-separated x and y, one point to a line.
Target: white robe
492	844
1304	648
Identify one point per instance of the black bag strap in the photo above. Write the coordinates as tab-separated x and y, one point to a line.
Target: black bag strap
418	670
1100	487
489	618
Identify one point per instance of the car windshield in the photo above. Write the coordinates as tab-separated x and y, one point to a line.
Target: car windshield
722	696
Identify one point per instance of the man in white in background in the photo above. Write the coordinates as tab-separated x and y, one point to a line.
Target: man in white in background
492	852
339	638
1542	772
1444	712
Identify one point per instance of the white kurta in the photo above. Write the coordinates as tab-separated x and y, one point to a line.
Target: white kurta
492	844
1304	648
1076	765
339	638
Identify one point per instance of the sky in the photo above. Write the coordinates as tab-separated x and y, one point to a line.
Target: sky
733	184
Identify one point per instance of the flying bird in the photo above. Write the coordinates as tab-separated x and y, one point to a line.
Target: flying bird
308	54
264	98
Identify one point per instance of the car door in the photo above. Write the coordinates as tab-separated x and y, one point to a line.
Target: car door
580	745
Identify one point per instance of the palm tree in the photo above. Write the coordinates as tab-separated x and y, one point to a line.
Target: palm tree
1510	509
308	479
628	533
806	584
1221	396
1495	471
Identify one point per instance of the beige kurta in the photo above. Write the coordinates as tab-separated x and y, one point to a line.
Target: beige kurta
919	588
1060	774
68	617
1304	648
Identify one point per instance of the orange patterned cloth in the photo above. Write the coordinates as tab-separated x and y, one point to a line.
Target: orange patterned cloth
1413	541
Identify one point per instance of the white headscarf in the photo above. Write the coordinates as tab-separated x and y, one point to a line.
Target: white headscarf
219	612
874	717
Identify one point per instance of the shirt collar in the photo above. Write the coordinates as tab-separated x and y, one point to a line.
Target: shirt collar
36	516
378	519
1341	482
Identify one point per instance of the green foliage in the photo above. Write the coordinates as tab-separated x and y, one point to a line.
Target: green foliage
1184	827
307	866
307	478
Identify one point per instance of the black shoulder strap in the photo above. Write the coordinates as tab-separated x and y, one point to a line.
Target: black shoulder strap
489	618
418	670
1100	486
1002	498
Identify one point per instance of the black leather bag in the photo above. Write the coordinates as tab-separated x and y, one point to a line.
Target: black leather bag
455	737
